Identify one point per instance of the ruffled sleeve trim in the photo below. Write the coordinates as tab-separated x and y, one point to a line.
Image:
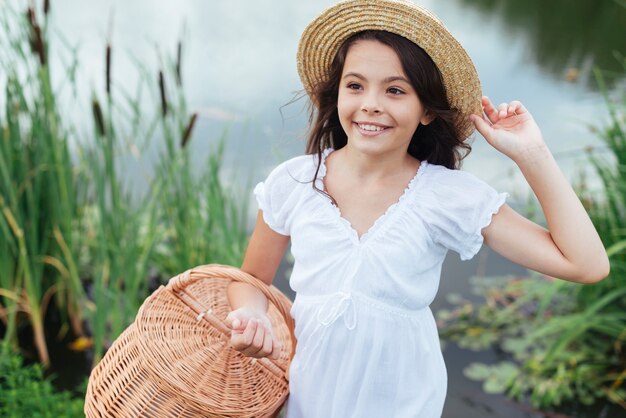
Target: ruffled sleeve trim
455	206
477	239
268	216
278	195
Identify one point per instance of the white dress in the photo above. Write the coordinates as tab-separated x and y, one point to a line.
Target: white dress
367	341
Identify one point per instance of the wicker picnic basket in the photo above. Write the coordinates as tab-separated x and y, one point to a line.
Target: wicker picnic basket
175	359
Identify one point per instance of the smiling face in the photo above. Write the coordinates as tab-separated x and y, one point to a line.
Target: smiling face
378	108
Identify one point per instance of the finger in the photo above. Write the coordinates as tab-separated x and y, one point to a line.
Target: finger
482	126
516	108
229	319
233	321
255	348
248	334
259	337
276	346
266	349
502	110
239	324
245	341
490	111
241	340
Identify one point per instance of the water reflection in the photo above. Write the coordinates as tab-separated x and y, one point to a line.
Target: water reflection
239	68
565	35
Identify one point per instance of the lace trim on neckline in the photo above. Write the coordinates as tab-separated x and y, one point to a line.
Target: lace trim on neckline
382	219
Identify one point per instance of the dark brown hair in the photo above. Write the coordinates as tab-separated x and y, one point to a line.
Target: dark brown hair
439	142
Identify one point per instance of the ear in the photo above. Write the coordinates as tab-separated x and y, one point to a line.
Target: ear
427	117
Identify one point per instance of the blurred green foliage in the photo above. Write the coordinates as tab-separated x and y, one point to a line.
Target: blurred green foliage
24	392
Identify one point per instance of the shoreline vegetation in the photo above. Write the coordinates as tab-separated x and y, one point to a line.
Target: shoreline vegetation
75	241
564	344
71	233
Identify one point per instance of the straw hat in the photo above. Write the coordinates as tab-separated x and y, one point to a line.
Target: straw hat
323	36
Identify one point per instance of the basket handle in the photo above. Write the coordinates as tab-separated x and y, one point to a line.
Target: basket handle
219	271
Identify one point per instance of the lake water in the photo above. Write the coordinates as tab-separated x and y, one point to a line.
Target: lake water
239	70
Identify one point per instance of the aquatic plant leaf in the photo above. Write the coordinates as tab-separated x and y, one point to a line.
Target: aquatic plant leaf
477	371
454	298
494	386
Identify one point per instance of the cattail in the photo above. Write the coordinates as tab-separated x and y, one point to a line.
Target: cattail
179	53
163	97
188	129
97	116
36	37
108	69
32	21
30	12
41	51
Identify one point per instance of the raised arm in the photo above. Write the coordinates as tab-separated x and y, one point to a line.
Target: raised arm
570	248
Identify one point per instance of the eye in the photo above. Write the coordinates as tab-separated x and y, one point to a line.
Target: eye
353	86
395	91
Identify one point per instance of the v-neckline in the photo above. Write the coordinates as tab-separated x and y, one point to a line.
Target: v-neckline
382	219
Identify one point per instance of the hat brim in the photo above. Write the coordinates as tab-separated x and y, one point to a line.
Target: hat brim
323	36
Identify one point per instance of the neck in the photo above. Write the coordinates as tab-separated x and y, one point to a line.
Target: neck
377	166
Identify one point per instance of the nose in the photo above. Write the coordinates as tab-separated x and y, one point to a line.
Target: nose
371	104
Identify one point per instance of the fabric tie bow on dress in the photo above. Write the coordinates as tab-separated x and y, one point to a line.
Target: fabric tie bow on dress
335	306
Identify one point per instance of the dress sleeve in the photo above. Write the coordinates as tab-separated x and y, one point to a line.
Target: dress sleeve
275	198
460	205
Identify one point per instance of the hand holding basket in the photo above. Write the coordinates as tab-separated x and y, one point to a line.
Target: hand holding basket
175	360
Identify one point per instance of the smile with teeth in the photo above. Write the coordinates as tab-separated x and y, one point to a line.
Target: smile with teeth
371	128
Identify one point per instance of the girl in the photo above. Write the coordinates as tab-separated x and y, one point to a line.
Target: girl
376	203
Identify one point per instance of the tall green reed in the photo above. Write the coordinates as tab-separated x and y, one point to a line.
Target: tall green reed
187	216
121	234
211	224
70	223
37	185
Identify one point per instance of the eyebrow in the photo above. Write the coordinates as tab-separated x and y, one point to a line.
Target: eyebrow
386	80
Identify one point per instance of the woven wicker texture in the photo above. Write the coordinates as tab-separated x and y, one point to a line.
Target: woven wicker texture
323	36
175	359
